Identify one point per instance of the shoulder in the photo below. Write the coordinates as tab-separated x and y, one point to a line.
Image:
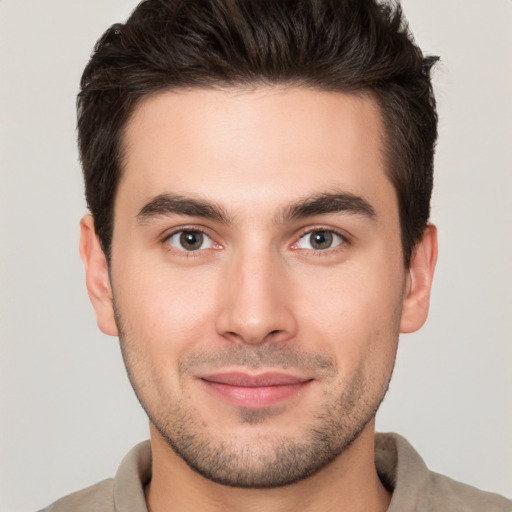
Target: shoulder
98	497
417	489
124	492
458	497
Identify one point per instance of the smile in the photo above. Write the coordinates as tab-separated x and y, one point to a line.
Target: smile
254	391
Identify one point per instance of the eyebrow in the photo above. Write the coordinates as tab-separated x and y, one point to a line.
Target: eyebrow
319	204
337	202
169	204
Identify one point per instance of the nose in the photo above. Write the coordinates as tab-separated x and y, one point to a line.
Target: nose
256	303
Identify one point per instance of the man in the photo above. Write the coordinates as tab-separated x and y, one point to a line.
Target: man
259	176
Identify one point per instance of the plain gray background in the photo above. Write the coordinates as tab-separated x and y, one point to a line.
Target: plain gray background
68	414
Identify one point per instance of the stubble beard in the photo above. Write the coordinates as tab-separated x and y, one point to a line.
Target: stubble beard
269	460
265	460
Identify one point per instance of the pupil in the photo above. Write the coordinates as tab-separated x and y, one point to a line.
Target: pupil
191	241
321	239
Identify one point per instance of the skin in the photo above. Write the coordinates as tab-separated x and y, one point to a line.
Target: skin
257	296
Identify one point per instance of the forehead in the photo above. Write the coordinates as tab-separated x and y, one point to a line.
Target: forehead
262	147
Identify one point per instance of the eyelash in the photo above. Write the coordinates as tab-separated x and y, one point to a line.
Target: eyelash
345	240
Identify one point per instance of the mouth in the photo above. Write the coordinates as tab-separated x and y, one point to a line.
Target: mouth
254	391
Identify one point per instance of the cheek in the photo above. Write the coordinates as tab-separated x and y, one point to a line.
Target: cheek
350	297
162	315
356	314
168	309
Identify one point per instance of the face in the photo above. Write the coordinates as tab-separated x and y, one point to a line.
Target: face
257	282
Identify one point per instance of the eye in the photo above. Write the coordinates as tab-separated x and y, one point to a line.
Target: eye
190	240
320	240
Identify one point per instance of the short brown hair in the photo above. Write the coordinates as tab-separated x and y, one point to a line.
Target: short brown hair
330	45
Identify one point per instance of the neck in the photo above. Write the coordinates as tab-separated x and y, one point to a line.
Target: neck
348	482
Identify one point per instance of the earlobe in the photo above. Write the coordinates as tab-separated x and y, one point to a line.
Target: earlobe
419	282
97	276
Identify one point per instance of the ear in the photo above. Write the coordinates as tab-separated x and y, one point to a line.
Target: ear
419	282
97	276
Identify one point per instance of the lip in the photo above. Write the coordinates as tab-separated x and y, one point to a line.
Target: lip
254	391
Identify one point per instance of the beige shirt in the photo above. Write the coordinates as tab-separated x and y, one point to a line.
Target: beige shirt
402	470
